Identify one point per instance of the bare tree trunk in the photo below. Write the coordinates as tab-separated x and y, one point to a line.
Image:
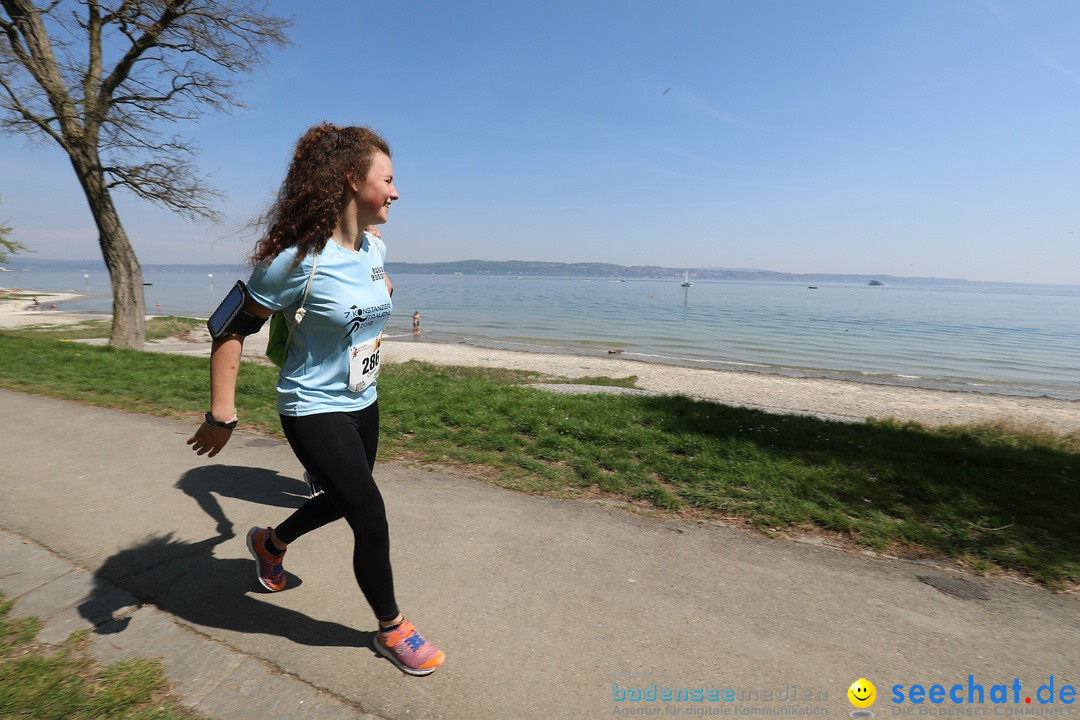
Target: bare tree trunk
125	273
129	303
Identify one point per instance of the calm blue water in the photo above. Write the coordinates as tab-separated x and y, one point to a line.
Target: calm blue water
1010	339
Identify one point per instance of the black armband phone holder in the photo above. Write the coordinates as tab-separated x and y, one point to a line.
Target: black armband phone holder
232	317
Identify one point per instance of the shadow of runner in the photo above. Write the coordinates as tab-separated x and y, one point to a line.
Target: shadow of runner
185	579
257	485
160	571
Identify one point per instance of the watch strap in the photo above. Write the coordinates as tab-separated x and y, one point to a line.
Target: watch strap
217	423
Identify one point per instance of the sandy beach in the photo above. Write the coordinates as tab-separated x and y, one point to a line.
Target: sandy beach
17	309
830	399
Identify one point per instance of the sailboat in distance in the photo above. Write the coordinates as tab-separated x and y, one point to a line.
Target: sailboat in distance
686	279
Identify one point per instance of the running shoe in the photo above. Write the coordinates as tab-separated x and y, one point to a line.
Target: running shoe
312	484
268	567
410	652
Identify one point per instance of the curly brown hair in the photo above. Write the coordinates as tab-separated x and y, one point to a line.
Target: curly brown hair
315	190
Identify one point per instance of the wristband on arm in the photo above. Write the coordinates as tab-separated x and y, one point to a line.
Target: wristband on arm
217	423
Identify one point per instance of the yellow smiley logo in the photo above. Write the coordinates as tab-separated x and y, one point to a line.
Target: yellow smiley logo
862	693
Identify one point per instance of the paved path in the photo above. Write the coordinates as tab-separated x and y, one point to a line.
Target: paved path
546	608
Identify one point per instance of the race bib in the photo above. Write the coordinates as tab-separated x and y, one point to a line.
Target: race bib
364	364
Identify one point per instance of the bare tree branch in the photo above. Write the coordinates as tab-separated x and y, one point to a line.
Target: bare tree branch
155	182
28	44
148	40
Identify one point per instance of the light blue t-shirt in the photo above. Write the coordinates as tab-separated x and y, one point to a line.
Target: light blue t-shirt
348	304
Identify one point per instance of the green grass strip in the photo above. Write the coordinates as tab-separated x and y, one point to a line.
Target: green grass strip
64	683
989	497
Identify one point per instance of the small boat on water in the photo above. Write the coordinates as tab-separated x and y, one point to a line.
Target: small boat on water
876	283
686	279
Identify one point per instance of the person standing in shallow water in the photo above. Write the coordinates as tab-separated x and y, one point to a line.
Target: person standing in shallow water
315	254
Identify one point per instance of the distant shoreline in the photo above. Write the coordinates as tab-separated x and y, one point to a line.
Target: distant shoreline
534	268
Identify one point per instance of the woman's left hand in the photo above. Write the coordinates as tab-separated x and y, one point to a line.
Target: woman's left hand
209	439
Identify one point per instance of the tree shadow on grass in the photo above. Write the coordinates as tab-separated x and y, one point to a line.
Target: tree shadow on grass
1014	502
185	579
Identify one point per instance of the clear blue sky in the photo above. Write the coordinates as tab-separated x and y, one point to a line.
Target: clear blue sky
916	137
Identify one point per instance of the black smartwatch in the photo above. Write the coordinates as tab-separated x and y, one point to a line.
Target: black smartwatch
227	425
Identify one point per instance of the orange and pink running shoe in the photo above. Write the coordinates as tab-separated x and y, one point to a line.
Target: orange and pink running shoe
410	652
268	567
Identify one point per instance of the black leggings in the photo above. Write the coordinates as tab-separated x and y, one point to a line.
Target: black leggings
338	449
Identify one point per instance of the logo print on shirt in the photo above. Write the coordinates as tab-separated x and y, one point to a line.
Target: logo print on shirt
354	320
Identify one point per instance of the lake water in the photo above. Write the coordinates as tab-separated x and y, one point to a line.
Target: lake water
1010	339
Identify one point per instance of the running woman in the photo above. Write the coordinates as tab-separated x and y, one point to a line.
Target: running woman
315	254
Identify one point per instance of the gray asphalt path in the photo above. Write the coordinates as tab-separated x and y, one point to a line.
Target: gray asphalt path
546	608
